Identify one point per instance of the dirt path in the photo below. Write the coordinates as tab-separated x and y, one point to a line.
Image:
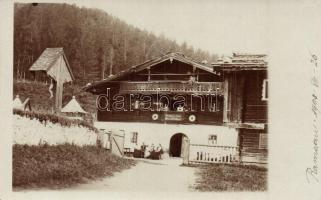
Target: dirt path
147	175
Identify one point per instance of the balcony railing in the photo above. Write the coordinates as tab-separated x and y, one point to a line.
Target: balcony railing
172	87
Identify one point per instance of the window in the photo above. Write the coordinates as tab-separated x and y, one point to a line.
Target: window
263	141
134	137
265	90
212	139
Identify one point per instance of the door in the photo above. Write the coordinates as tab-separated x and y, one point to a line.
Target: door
117	144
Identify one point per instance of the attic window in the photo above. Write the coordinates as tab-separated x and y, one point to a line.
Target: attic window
265	90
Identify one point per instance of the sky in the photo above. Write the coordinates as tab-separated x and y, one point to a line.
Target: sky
220	27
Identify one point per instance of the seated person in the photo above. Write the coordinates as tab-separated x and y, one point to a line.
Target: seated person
159	148
152	148
137	152
147	152
160	151
143	146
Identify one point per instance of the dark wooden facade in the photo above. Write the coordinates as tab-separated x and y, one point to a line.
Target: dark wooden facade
255	108
174	76
246	104
253	145
243	97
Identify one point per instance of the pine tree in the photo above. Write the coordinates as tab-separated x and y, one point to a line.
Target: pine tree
95	43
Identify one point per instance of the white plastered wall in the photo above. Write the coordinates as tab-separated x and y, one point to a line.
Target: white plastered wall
152	133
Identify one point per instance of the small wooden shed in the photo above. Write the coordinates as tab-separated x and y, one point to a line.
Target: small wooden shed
54	64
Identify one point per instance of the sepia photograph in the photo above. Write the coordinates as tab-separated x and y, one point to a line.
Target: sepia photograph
102	104
160	99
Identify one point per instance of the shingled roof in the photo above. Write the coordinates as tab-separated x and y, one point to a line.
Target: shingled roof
48	57
240	62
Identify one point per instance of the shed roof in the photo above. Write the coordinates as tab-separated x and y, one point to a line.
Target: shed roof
73	107
48	57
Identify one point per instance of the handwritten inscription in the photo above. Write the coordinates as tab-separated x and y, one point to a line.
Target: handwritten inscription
312	172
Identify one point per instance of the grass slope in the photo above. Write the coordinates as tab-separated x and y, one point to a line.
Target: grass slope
39	96
223	177
62	165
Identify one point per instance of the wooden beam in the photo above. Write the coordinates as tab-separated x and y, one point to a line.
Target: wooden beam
226	104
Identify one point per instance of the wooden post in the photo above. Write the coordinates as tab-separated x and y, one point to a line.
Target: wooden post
111	140
239	97
59	89
226	100
186	146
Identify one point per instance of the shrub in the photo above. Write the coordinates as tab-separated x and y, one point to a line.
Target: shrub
44	117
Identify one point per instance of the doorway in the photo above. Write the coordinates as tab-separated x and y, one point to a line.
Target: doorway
176	145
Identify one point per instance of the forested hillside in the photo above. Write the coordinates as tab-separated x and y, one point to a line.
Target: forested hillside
96	43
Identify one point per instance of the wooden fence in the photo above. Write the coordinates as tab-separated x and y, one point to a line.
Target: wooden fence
211	154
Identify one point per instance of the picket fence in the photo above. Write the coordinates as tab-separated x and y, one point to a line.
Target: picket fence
198	153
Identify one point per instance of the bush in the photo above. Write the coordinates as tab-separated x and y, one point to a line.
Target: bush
62	165
41	101
44	117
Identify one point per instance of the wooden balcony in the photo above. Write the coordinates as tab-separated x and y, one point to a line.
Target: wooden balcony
172	87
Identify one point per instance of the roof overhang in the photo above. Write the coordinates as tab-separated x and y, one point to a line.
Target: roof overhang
240	67
148	64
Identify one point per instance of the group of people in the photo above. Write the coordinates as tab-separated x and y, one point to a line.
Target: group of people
151	152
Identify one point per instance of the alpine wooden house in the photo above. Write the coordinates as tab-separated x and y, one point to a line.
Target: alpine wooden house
170	99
